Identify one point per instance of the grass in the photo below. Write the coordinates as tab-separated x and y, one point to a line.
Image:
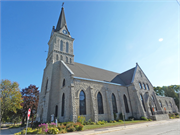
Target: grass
88	127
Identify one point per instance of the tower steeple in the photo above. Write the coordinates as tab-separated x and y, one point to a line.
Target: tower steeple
61	42
62	21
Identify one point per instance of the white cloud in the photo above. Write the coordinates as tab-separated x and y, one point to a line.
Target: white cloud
161	39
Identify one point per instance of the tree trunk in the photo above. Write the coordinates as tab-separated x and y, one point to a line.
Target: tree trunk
22	120
32	120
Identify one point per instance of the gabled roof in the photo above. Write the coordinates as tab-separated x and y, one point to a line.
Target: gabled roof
62	20
127	76
85	71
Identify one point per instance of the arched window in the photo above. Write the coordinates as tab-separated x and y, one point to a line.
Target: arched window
166	103
160	103
61	57
144	86
46	86
63	82
67	47
114	103
63	102
126	104
67	59
143	103
152	98
100	103
56	111
170	104
70	61
57	57
61	45
147	86
82	103
140	85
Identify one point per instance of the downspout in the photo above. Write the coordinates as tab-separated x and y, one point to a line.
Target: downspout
130	102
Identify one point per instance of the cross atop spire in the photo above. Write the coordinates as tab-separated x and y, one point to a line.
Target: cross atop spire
62	20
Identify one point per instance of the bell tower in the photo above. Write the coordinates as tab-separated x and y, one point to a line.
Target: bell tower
60	43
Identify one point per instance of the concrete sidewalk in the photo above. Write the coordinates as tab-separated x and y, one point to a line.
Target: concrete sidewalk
112	129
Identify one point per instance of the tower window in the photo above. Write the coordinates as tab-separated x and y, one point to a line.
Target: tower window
63	82
61	57
67	47
67	59
46	86
63	102
61	45
56	111
57	57
70	61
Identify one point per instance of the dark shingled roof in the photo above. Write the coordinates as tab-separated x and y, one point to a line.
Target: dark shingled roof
85	71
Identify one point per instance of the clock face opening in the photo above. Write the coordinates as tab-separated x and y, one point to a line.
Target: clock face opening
64	31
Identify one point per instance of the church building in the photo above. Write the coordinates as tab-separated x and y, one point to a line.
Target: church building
70	89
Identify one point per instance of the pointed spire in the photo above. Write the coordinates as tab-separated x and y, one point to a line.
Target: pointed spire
62	19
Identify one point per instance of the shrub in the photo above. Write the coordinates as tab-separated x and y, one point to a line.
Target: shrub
131	118
76	125
110	121
69	125
92	123
44	127
52	124
71	129
149	120
120	121
52	130
114	121
143	118
171	115
81	119
63	131
35	125
80	127
120	116
65	123
177	116
115	116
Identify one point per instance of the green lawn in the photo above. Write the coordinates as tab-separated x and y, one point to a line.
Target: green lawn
88	127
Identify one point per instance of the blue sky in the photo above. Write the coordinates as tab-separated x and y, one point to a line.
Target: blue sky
112	35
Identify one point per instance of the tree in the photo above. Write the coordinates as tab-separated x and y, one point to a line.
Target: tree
30	97
169	91
10	97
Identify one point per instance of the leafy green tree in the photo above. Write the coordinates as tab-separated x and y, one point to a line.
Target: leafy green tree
159	91
10	97
169	91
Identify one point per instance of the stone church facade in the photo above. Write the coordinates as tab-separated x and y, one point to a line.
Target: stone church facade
70	89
